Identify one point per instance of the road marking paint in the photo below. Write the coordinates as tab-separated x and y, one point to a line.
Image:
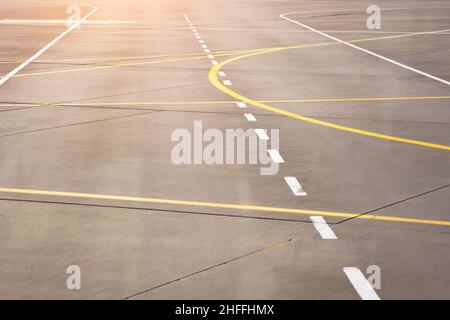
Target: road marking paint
283	16
323	228
194	30
201	41
275	156
215	82
295	186
261	133
210	56
250	117
241	105
222	74
227	82
358	216
198	37
360	283
207	50
214	62
207	102
40	52
60	22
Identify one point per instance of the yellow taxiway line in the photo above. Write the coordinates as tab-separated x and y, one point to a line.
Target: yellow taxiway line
223	206
214	79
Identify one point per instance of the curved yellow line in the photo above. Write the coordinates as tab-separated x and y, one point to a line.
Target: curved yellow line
214	79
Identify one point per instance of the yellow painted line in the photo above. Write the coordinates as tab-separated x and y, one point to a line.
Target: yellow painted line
214	79
222	206
198	56
144	103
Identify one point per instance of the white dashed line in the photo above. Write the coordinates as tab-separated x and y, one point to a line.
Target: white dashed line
262	135
241	105
204	46
222	74
360	283
214	62
323	228
295	186
227	82
210	56
201	41
207	50
275	155
250	117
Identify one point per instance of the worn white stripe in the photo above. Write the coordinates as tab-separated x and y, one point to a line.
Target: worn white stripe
40	52
275	156
222	74
207	50
62	22
262	135
283	16
295	186
250	117
241	105
360	283
204	46
210	56
227	82
214	62
323	228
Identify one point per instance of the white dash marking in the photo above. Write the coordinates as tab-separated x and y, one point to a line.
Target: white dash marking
201	41
227	82
207	50
222	74
204	46
250	117
262	135
295	186
214	62
210	56
323	228
360	283
241	105
275	155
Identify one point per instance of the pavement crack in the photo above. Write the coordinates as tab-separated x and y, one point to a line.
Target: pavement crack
266	247
76	124
223	215
394	203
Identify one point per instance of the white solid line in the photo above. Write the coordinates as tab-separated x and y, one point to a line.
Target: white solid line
275	155
295	186
227	82
63	22
214	62
222	74
323	228
40	52
262	135
283	16
360	283
241	105
250	117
